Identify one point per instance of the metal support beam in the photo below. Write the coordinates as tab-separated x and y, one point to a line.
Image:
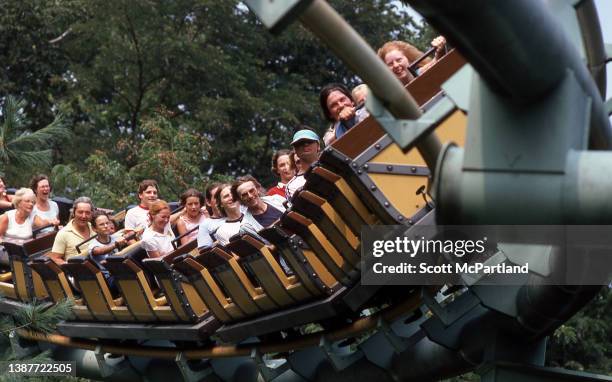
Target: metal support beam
405	132
324	22
188	373
526	59
267	371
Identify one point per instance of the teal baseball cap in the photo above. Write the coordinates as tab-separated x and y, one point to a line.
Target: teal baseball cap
305	134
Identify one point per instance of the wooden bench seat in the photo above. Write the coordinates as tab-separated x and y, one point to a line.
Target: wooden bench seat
27	284
224	266
220	305
180	293
321	213
135	287
265	266
324	250
57	285
95	290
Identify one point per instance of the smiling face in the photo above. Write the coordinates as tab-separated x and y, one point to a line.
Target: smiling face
43	189
398	63
249	196
226	200
148	196
336	102
192	206
160	219
26	205
82	214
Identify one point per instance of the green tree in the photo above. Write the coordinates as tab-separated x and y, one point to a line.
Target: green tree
34	65
23	149
213	66
37	317
585	341
169	152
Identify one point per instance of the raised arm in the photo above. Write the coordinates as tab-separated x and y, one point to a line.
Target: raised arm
101	250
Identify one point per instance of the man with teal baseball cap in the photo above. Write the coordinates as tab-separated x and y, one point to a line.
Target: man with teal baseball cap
306	144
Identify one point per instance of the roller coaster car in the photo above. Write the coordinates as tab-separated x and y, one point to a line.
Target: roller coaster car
26	283
306	268
376	168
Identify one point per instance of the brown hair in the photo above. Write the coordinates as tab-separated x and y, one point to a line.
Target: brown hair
157	207
216	195
242	180
192	192
36	179
142	187
97	214
404	48
210	188
324	94
278	154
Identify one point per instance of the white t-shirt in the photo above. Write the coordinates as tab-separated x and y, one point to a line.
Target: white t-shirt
98	259
155	241
136	218
294	184
227	230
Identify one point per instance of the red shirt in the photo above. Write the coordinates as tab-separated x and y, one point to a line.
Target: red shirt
279	189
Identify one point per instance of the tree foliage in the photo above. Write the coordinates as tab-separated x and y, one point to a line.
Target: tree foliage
585	341
109	66
170	152
22	148
35	316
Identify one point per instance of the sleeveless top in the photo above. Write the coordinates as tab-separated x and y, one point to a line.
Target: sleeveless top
51	214
189	226
17	233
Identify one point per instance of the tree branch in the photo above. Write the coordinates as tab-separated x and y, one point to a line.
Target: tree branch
61	37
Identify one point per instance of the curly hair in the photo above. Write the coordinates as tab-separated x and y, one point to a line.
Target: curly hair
411	53
21	194
36	179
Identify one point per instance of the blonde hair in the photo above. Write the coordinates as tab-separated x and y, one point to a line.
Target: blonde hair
21	194
411	53
358	89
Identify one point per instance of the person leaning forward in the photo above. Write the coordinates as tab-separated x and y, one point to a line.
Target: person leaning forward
75	232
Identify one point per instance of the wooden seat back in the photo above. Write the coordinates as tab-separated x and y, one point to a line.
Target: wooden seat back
95	290
208	288
136	289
